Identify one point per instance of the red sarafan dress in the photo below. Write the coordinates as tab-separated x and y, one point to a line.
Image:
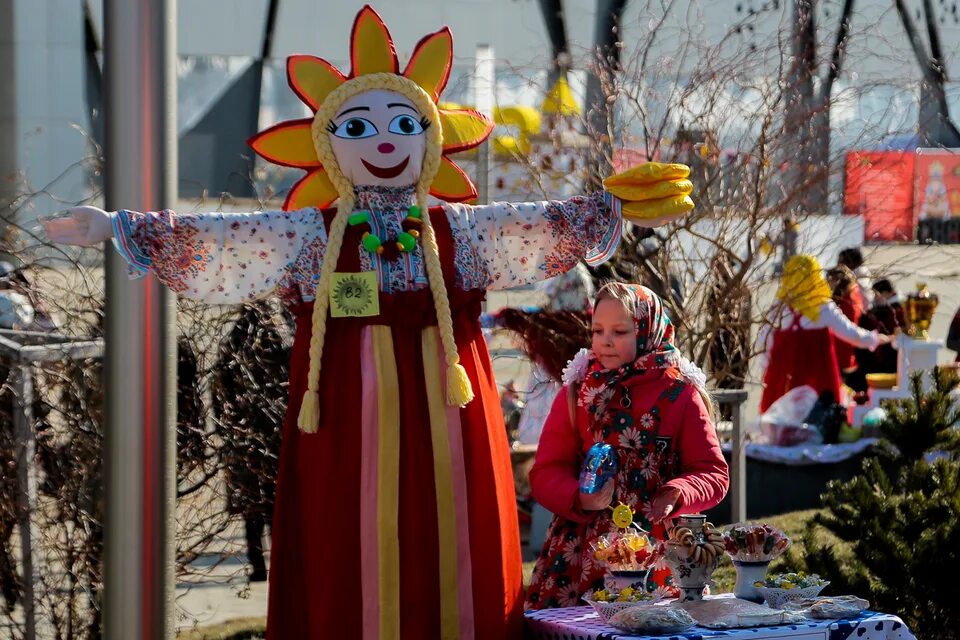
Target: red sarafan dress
801	357
398	518
663	435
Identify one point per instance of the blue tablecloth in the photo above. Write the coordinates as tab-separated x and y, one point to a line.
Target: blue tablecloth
583	623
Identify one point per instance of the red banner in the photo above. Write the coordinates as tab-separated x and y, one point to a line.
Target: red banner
937	195
879	187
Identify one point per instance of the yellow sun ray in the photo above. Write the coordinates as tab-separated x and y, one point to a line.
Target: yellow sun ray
312	79
371	47
451	183
289	144
314	190
463	129
430	63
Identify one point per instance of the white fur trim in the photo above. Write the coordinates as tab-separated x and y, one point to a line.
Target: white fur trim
693	373
576	369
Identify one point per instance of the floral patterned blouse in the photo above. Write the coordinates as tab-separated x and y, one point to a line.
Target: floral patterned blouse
236	257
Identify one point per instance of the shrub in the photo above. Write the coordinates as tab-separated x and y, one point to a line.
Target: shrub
898	517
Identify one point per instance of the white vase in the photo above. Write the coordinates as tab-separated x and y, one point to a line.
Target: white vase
689	575
747	574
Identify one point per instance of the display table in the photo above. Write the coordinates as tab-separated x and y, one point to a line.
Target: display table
583	623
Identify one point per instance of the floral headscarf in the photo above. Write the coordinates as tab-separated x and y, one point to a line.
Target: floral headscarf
602	388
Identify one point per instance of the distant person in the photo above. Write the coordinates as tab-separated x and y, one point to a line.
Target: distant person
250	399
953	335
886	316
847	296
573	292
21	306
797	338
852	258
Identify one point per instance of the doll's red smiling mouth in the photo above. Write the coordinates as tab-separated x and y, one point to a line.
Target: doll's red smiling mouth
386	173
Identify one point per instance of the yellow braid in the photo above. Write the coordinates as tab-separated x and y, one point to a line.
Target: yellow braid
459	391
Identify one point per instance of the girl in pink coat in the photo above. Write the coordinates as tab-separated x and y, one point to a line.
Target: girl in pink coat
636	392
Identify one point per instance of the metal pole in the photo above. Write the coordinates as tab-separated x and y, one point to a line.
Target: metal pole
27	495
140	150
484	102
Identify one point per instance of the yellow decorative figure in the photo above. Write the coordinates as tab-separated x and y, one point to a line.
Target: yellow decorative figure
622	515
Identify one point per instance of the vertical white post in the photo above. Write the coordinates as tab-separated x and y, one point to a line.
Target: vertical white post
140	154
484	87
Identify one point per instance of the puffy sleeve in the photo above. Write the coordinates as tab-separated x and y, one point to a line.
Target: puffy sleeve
522	243
832	317
555	476
704	475
218	258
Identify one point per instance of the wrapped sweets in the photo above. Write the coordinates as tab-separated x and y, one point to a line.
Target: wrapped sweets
652	191
628	550
755	542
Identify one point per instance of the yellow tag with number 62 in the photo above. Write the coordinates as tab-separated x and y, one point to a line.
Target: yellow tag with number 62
354	295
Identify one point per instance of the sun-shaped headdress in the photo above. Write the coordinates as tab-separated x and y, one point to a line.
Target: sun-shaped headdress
314	80
306	144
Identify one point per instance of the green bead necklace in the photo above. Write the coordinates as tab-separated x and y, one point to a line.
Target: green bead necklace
405	242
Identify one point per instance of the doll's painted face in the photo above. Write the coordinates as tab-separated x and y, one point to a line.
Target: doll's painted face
377	138
614	334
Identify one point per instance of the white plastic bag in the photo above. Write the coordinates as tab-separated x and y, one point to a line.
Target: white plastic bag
783	421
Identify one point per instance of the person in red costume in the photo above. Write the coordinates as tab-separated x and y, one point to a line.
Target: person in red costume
636	392
797	338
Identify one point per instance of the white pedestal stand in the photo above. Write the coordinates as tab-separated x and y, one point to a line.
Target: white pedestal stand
912	355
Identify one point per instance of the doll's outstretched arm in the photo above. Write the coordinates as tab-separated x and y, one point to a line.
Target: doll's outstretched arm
214	257
526	242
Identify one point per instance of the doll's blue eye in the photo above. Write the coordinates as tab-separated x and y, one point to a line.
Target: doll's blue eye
405	126
355	128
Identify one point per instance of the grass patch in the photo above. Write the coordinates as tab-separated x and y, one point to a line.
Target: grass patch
239	629
793	524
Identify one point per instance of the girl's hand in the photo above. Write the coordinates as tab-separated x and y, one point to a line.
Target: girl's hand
83	226
599	500
664	503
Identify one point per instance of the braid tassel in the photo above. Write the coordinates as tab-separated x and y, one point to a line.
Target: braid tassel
309	417
459	389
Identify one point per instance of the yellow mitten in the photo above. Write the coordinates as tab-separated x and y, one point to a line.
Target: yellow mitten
648	173
654	212
652	193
